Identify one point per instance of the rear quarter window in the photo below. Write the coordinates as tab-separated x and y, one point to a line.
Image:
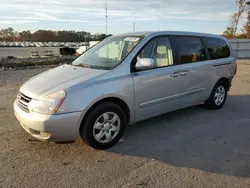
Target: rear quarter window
217	48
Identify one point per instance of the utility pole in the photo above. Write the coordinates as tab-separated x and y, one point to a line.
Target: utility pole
106	15
85	44
134	27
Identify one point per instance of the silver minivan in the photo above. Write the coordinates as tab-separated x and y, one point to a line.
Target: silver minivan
125	79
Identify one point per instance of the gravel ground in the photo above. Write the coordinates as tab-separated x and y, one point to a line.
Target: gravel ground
193	147
34	62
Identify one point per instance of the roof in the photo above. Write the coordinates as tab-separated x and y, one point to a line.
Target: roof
155	33
142	33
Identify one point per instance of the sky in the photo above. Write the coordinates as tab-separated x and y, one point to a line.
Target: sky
210	16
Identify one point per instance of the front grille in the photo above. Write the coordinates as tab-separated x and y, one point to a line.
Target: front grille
23	101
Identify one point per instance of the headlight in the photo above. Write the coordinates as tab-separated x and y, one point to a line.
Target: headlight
49	104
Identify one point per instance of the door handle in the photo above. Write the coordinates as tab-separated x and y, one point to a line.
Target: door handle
184	73
176	74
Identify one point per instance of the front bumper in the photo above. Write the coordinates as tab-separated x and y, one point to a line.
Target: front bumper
61	127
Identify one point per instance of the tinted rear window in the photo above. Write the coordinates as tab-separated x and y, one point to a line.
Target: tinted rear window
190	49
217	48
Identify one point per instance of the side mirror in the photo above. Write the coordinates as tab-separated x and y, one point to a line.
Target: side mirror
144	64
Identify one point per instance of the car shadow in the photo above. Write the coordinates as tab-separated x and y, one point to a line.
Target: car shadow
216	141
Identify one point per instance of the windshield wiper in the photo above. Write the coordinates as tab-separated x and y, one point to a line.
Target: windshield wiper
93	66
83	65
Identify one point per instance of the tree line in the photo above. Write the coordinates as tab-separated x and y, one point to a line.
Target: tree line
232	31
9	34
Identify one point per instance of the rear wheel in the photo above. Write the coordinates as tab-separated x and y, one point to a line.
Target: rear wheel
218	96
104	126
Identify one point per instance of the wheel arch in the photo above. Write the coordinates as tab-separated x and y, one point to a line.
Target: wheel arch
114	100
226	80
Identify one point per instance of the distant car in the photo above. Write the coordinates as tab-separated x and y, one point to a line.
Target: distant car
84	48
81	50
125	79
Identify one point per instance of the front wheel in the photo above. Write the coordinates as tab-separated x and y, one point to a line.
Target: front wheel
104	126
218	96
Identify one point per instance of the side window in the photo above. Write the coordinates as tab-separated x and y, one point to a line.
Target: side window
217	48
157	53
147	50
190	49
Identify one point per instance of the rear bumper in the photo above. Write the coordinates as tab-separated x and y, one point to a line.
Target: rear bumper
230	82
62	127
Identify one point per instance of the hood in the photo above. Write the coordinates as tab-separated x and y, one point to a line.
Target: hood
56	79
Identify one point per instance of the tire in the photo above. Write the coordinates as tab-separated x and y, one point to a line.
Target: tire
105	121
218	96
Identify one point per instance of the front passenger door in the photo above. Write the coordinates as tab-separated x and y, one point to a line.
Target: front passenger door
157	81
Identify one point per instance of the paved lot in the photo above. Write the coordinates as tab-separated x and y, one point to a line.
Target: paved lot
193	147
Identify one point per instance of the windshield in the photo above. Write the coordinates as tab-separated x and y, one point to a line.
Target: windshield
107	54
